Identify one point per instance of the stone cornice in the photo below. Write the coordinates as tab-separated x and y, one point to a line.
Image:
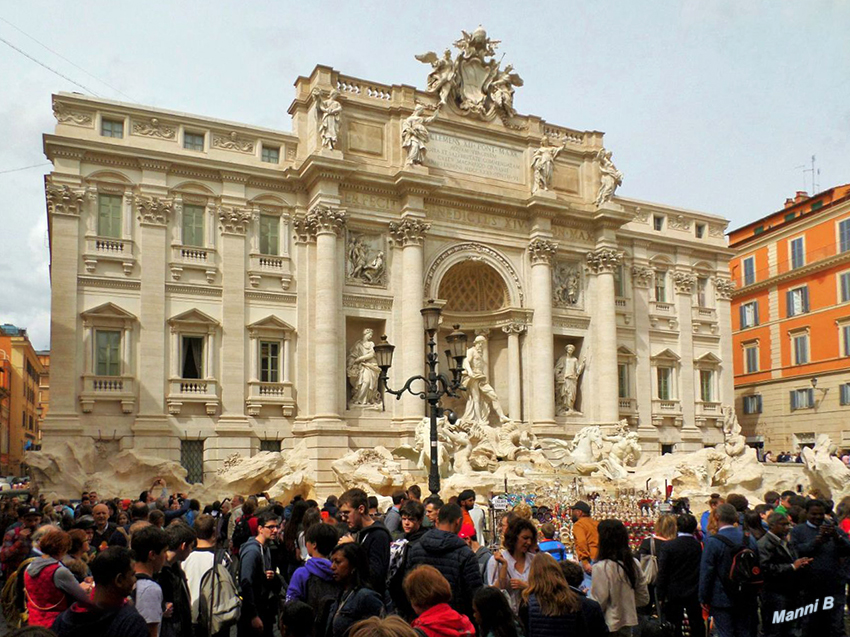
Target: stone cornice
108	282
836	259
367	302
192	290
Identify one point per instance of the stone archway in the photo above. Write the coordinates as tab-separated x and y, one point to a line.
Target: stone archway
477	253
473	286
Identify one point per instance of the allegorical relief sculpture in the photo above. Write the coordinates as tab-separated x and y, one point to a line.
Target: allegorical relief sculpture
366	262
566	284
329	113
481	396
543	164
473	81
611	177
568	371
363	372
414	135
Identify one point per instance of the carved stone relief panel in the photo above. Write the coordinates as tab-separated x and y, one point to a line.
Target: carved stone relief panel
567	286
366	259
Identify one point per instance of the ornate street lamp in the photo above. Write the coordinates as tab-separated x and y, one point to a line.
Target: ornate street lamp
436	385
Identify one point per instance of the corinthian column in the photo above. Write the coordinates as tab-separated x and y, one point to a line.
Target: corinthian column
410	235
541	252
328	223
513	330
602	263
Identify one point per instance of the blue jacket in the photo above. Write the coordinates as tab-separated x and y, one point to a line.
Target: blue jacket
318	566
554	548
254	560
717	558
824	573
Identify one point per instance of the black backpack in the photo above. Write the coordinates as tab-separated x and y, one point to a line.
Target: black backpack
241	533
320	594
741	575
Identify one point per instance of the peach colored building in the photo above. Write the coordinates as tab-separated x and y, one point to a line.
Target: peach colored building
791	322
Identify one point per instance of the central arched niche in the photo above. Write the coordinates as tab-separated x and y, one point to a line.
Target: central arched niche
473	286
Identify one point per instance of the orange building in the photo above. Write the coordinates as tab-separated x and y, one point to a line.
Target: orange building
791	322
24	420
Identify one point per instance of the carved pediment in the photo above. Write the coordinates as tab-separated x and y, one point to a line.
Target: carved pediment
709	358
270	324
193	317
108	310
667	355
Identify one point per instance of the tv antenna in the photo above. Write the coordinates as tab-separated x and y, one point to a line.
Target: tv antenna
815	174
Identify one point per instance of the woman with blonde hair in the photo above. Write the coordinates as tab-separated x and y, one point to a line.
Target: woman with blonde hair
550	606
665	529
392	626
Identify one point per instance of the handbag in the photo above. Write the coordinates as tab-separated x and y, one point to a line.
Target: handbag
655	625
649	564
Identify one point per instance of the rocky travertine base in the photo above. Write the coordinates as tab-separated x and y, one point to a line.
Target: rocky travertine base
373	470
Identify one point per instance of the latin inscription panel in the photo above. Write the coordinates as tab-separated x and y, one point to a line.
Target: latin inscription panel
470	157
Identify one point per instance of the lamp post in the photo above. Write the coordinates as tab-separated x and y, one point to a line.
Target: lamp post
435	385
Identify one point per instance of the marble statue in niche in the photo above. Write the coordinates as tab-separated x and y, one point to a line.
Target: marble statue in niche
566	285
329	110
611	177
415	136
363	372
543	164
568	371
481	396
366	259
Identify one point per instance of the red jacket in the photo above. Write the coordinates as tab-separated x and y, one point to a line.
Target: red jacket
444	621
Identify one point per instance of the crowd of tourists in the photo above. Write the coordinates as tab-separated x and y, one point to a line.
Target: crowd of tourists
162	565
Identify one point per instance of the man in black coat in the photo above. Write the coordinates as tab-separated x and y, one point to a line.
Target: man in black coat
444	550
782	583
372	535
677	584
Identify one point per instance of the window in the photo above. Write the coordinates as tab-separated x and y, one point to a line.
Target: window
752	404
108	353
751	358
665	449
790	216
699	230
660	286
270	445
109	215
706	385
269	234
269	361
270	155
193	141
192	358
844	235
844	283
749	314
192	459
798	257
758	230
802	398
620	281
845	339
658	222
749	270
665	381
844	394
797	300
800	346
193	225
702	291
112	128
623	380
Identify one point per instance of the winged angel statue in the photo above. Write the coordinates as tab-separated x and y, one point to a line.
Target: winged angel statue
473	80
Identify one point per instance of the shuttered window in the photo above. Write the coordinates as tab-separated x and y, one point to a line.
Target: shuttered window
802	398
109	216
844	394
193	226
749	271
749	314
665	378
797	301
798	257
108	352
801	349
844	235
752	404
269	234
269	361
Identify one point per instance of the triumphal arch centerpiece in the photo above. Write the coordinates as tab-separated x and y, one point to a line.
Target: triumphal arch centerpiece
219	288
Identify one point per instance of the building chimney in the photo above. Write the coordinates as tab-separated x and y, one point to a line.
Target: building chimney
801	196
789	202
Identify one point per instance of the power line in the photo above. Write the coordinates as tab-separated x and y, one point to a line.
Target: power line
14	170
55	72
66	59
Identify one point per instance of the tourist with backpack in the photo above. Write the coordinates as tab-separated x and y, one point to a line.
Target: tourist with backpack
245	527
370	534
730	595
215	590
314	582
256	580
172	580
549	544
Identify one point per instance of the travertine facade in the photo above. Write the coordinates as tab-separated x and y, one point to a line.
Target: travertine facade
210	279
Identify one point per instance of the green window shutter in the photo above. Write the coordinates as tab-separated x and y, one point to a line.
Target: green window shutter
108	353
109	216
269	235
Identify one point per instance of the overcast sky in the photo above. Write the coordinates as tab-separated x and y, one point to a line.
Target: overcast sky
713	106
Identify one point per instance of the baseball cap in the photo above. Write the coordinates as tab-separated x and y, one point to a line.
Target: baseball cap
582	506
31	511
466	531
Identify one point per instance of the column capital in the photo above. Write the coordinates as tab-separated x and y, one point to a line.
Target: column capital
542	251
684	282
64	200
724	288
153	210
409	231
233	220
326	219
514	328
603	260
642	276
304	231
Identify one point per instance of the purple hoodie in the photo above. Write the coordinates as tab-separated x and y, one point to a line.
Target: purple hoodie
318	566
